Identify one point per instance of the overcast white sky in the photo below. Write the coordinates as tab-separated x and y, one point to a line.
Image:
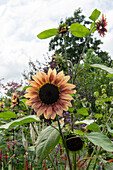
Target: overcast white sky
22	20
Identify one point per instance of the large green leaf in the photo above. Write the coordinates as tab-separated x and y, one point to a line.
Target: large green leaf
46	142
48	33
8	115
79	30
82	111
95	14
103	67
21	121
101	140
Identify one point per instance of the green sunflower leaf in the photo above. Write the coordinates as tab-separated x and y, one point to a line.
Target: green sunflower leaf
95	14
21	121
79	30
46	142
47	33
101	140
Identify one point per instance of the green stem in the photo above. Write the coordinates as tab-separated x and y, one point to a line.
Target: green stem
91	158
65	48
67	152
96	159
72	121
34	128
83	51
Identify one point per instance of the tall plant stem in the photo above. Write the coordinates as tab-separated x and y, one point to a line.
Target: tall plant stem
67	152
65	48
96	159
88	38
87	168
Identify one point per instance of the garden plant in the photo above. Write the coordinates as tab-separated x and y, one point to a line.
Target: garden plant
63	118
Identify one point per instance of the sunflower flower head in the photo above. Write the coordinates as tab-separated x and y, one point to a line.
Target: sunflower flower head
14	100
62	29
49	93
101	26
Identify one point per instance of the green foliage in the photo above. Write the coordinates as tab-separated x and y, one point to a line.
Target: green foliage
101	140
46	142
95	14
103	67
48	33
8	115
79	30
82	111
21	121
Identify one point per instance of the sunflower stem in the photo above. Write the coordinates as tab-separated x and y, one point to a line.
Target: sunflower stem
67	152
88	38
74	160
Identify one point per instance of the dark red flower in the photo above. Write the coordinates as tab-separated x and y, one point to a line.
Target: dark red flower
101	26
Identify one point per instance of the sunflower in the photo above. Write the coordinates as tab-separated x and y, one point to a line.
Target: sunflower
50	93
14	100
101	26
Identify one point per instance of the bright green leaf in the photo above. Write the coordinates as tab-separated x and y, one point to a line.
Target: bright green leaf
21	121
95	14
71	109
79	30
46	142
91	27
47	33
98	116
8	115
79	132
101	140
93	127
82	111
109	75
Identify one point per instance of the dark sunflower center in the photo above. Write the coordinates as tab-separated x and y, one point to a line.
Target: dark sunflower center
49	94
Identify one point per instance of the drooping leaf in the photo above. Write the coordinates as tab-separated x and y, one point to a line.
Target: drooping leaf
103	67
79	30
21	121
95	14
8	115
82	111
101	140
46	142
47	33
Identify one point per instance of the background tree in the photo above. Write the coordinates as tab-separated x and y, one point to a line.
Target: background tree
74	45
